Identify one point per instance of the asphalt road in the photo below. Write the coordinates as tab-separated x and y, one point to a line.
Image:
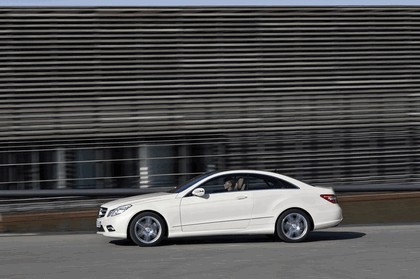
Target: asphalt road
343	252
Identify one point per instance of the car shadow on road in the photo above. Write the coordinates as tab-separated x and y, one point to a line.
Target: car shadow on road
220	239
326	235
313	237
204	240
123	242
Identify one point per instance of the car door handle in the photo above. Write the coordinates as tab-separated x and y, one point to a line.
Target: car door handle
241	197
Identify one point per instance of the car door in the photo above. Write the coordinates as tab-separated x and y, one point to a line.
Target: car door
221	208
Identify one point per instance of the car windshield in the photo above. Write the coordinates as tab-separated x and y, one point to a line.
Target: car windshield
190	182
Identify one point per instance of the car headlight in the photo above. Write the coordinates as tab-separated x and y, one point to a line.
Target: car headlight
118	210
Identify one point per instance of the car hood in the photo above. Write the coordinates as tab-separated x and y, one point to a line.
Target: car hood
139	199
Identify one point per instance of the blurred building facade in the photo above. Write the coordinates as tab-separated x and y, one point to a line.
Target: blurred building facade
146	97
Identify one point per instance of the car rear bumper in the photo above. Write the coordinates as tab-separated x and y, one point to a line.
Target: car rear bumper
328	224
330	218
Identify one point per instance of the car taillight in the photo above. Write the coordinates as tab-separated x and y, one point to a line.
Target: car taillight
330	198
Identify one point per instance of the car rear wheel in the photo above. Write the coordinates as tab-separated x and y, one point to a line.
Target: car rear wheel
293	226
147	229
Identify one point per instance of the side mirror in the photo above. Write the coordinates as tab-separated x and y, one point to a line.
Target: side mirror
199	192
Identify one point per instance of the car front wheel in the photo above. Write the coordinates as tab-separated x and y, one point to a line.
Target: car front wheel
293	226
147	229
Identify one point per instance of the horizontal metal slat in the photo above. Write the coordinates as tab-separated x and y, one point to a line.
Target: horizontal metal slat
328	94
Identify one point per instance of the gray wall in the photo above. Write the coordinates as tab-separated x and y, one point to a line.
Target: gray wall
330	95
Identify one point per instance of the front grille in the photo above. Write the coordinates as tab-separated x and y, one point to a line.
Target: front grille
102	212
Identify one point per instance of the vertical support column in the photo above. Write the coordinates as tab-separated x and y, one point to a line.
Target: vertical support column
221	159
61	168
209	161
6	173
144	181
183	164
99	169
260	148
35	170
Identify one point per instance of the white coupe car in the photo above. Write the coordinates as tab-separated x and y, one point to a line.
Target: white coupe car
221	203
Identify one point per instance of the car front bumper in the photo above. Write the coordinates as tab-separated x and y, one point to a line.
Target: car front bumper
116	226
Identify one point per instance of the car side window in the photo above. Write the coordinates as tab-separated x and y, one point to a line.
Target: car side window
225	183
214	185
262	182
257	183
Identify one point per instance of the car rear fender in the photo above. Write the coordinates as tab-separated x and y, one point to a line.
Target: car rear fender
280	208
302	209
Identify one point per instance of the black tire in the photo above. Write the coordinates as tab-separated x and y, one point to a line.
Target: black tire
148	229
293	225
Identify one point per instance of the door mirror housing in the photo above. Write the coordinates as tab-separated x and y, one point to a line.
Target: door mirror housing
199	192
